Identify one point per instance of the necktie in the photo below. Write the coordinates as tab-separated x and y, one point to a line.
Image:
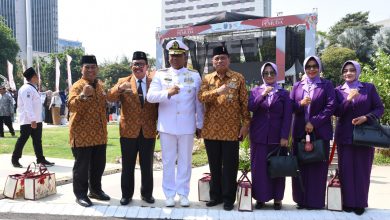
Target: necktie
140	93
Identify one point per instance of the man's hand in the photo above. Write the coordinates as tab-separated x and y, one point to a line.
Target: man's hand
309	127
88	90
305	101
359	120
283	142
173	90
267	90
243	133
124	86
223	89
352	94
33	124
198	133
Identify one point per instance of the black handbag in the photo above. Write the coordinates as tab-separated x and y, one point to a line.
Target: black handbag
317	154
373	134
282	165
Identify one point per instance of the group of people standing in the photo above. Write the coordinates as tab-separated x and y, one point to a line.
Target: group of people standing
313	101
179	105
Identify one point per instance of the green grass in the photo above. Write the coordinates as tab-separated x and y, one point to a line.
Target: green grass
55	143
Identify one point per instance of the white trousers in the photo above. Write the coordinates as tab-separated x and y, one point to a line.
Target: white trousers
176	148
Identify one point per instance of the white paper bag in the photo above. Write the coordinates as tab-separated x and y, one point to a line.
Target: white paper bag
334	197
14	186
244	196
204	188
40	185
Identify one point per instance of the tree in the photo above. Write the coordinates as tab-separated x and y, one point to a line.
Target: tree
111	72
354	31
356	39
9	48
359	19
332	59
382	41
48	68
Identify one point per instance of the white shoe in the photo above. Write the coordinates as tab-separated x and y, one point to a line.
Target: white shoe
170	202
184	202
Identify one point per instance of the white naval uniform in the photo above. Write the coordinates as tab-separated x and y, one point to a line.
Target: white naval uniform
178	118
29	105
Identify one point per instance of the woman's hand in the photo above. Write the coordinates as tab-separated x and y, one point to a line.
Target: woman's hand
309	127
305	101
359	120
283	142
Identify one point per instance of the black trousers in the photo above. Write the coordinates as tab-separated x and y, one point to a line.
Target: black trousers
36	134
130	147
223	163
8	122
88	169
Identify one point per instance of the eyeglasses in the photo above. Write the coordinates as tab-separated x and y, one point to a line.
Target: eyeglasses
352	70
140	65
269	73
311	66
92	67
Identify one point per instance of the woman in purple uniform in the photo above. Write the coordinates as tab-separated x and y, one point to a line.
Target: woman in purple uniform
355	101
314	104
269	129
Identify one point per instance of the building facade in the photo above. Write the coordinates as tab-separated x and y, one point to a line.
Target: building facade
182	13
64	44
44	24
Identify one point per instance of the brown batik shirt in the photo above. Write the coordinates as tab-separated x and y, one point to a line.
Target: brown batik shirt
134	117
88	123
224	114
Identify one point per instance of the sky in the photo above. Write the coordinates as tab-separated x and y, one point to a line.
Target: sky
111	29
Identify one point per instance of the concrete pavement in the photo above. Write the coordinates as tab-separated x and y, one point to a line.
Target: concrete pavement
63	203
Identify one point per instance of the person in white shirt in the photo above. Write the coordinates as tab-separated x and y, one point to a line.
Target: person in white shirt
180	116
6	111
30	119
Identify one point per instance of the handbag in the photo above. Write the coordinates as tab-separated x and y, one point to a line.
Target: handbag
244	193
40	185
373	134
282	165
316	154
334	196
14	185
204	187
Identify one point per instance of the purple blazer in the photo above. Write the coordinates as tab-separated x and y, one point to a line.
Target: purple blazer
271	122
367	102
322	107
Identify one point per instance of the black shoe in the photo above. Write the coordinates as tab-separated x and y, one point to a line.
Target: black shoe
228	206
259	205
84	201
347	209
148	199
125	201
46	163
299	206
13	134
359	211
212	203
99	196
277	205
16	164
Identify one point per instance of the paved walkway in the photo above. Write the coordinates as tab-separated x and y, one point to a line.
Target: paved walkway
63	203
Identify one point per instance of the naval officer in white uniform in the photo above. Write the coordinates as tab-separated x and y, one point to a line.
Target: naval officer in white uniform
180	116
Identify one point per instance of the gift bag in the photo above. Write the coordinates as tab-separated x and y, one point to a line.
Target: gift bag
40	185
334	199
14	185
204	187
244	193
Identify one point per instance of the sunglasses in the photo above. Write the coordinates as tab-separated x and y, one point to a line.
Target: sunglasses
269	73
311	66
